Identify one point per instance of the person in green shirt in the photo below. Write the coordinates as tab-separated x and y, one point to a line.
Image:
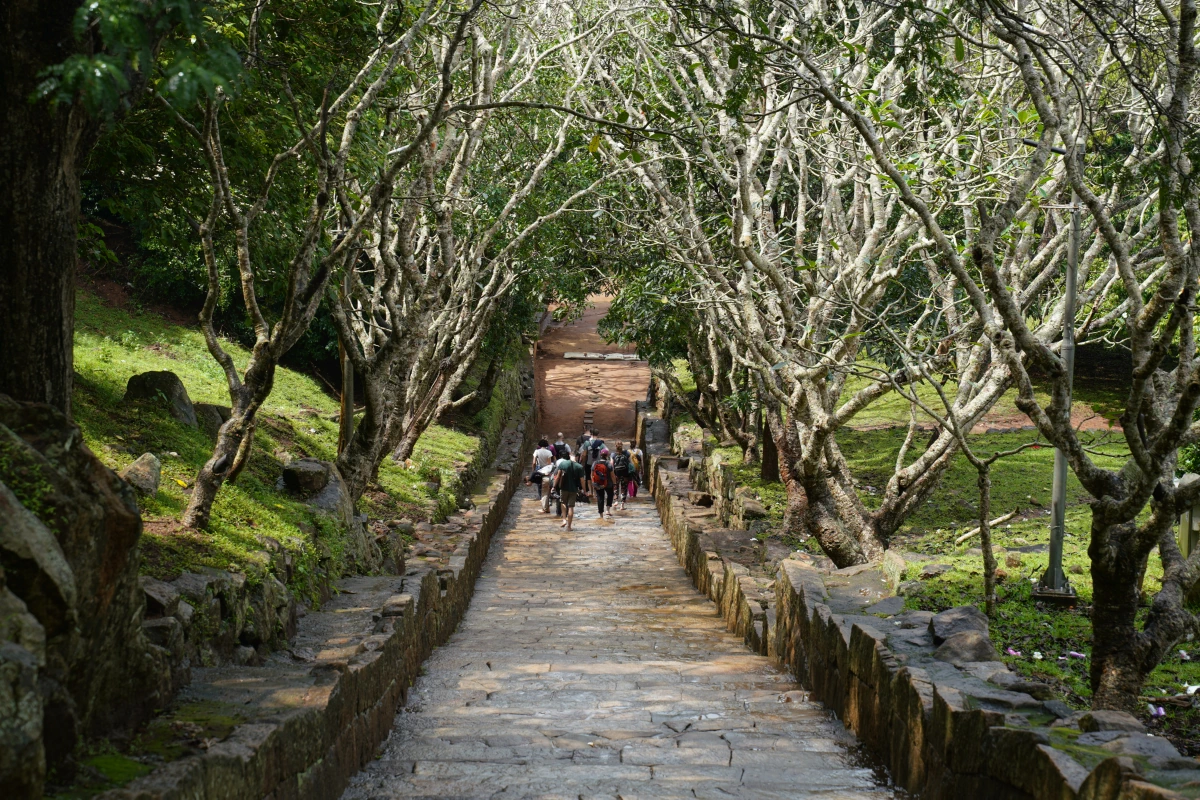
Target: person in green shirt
569	480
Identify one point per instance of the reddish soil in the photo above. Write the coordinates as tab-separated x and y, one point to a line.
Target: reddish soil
566	388
118	295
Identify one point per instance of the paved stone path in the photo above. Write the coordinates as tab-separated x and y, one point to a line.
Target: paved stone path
588	666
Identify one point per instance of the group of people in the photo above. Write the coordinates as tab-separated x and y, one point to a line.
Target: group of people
566	474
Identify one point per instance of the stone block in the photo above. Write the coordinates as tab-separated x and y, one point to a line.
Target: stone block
933	570
1110	721
305	476
166	632
162	599
144	474
893	568
957	620
165	386
965	647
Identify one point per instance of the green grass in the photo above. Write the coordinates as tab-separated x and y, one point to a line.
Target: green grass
1020	482
112	344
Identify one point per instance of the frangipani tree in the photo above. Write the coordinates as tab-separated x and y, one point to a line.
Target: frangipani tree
808	266
1115	79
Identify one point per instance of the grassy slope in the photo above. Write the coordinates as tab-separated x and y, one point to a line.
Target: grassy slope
1021	481
112	344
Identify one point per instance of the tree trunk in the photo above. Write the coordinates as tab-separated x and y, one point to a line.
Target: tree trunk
770	458
41	148
483	393
360	458
217	469
235	438
1117	645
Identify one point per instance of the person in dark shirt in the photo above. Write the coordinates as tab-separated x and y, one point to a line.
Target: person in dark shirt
569	479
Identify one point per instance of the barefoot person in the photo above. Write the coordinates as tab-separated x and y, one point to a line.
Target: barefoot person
569	480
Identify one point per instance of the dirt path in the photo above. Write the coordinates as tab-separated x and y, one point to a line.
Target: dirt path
568	388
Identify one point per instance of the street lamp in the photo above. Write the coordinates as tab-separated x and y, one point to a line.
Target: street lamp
1054	586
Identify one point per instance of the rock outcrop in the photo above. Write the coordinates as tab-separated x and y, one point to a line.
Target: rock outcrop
69	530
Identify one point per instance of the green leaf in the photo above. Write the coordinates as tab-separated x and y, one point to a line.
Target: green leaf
622	117
733	60
594	144
960	49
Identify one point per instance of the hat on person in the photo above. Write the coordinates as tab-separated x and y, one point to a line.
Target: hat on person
603	451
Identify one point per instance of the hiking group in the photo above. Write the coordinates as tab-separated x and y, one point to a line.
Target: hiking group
564	475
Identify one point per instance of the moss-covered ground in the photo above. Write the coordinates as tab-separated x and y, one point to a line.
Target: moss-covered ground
299	419
1048	644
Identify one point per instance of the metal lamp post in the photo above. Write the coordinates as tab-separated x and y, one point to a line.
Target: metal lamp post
346	411
1054	586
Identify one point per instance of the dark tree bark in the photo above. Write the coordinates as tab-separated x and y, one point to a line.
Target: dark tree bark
41	150
483	392
769	469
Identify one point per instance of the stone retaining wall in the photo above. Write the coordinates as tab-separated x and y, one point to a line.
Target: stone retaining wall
942	731
321	711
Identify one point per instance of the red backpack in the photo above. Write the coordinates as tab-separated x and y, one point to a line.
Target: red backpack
600	475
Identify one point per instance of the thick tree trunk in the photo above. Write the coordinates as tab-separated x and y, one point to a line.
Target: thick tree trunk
360	458
1118	658
769	471
41	148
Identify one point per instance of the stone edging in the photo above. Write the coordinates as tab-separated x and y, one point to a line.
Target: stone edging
345	702
938	739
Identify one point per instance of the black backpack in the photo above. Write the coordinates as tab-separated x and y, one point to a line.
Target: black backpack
621	463
596	446
561	450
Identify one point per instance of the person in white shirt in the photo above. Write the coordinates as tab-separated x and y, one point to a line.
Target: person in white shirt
543	465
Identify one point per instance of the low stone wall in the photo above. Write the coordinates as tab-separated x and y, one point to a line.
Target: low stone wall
943	730
321	710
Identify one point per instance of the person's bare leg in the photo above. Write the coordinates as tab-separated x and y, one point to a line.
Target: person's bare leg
570	517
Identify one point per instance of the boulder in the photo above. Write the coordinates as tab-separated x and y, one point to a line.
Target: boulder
335	500
211	417
1110	721
306	476
163	385
144	474
99	672
966	647
957	620
933	570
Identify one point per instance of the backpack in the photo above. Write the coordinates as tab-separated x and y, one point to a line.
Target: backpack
596	446
600	475
561	450
621	463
